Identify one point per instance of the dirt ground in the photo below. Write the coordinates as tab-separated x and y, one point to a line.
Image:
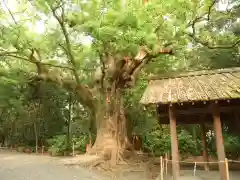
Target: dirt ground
143	167
14	166
151	170
146	173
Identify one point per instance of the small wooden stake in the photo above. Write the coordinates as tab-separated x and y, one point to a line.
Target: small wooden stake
73	150
166	163
204	146
161	167
227	168
42	149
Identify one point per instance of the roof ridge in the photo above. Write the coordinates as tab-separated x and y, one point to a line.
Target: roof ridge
195	73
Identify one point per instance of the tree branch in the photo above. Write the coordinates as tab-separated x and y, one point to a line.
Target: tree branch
203	17
68	44
82	91
14	55
210	9
143	57
9	11
206	43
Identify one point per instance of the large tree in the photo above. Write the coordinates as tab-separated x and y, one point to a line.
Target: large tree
125	37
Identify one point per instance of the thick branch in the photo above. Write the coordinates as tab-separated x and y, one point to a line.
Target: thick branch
143	57
82	92
148	58
138	69
14	55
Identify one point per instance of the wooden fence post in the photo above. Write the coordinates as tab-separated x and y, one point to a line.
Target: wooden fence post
227	168
73	150
166	164
161	168
42	150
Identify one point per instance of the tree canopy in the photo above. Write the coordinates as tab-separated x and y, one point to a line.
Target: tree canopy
100	53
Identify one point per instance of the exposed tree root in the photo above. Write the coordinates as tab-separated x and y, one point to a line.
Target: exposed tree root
105	157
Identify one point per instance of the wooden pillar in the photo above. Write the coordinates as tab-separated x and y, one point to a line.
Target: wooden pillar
219	141
174	143
204	146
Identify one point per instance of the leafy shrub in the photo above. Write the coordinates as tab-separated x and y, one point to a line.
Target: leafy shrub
158	141
80	142
232	144
186	143
57	145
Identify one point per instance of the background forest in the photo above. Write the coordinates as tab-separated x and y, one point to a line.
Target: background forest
56	68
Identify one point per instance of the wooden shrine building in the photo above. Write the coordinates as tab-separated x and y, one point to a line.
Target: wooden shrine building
197	98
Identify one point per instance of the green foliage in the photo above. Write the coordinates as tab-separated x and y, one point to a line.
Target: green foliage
158	141
140	119
232	144
57	145
80	142
186	143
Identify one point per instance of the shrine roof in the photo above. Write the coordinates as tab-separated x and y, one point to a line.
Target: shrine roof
207	85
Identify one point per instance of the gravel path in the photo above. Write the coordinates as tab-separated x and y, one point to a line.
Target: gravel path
15	166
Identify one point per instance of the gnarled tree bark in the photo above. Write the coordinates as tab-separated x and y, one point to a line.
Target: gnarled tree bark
112	139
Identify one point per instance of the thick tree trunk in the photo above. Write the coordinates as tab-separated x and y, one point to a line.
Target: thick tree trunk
112	140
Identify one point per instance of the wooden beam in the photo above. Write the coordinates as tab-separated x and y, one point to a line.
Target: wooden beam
219	140
196	111
204	147
191	119
174	143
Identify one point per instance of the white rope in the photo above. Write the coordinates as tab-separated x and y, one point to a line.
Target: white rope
203	162
235	161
